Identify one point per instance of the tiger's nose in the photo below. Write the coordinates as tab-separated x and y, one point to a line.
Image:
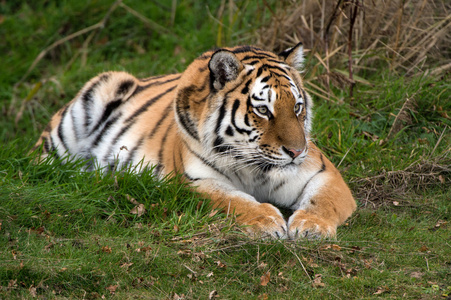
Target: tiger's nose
293	153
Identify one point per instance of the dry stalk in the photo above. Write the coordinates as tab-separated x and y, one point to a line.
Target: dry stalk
402	119
406	35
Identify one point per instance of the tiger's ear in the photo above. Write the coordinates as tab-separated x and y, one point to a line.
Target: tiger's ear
294	56
224	67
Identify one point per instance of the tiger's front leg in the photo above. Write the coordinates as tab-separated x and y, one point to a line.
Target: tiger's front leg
260	219
327	202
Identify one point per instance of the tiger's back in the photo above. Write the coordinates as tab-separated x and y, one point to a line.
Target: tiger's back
236	123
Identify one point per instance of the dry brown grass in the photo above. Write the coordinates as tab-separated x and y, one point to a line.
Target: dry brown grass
395	185
407	36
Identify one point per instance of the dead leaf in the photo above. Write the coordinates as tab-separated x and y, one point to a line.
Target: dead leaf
213	212
213	294
262	265
138	210
317	281
106	249
336	247
112	288
440	223
220	264
177	297
264	280
176	228
263	297
126	265
12	283
185	252
380	290
132	200
423	249
416	274
32	291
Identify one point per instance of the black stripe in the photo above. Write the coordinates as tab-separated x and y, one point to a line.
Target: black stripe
146	105
281	184
229	131
206	162
277	68
246	120
218	145
163	144
46	145
157	125
104	130
86	98
141	88
157	169
222	110
235	107
74	123
52	146
106	114
304	96
265	79
132	119
323	168
60	129
278	62
190	178
153	77
254	50
187	123
257	98
245	90
124	87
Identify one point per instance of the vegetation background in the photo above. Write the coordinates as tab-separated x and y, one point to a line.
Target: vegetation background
379	72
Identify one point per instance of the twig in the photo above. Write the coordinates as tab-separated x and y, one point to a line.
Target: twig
346	154
44	52
354	9
439	140
299	260
153	25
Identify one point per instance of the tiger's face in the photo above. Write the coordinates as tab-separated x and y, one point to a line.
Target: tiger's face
257	113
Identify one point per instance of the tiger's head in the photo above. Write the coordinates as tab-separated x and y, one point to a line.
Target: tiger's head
248	105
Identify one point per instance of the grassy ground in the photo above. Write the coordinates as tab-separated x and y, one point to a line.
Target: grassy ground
64	234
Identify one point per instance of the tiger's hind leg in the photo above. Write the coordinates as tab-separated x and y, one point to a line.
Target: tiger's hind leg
76	127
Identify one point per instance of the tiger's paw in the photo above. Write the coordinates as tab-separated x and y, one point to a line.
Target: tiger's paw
265	222
307	225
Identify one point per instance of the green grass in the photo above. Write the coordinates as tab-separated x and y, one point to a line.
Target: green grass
67	234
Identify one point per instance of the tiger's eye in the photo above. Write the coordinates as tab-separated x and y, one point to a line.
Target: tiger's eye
297	108
262	109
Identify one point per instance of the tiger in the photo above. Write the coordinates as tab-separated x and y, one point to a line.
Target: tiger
235	124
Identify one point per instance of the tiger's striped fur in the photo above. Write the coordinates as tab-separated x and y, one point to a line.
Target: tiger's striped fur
236	123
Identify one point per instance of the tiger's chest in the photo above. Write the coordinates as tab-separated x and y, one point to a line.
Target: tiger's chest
282	187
